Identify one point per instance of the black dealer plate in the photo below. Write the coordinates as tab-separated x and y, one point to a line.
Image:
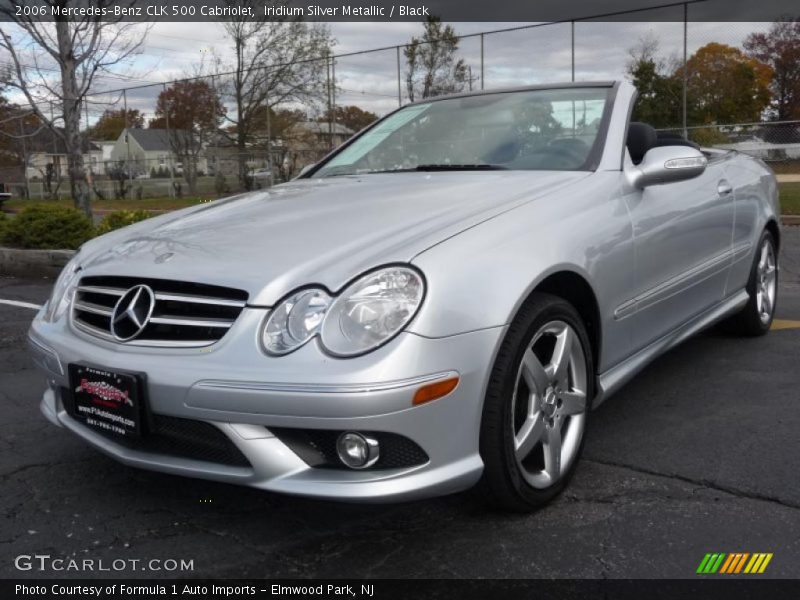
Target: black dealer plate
106	400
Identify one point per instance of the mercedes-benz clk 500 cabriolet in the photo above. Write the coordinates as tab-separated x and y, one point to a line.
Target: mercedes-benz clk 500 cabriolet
438	303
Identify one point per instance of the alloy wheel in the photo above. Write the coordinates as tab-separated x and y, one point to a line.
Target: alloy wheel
549	404
766	277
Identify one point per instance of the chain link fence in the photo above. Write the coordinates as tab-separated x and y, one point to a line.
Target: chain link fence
150	160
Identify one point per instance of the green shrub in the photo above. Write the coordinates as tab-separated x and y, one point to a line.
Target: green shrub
121	218
43	226
3	223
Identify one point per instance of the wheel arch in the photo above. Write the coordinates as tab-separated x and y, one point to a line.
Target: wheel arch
574	288
775	230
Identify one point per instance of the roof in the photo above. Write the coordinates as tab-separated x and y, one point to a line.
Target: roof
150	140
44	141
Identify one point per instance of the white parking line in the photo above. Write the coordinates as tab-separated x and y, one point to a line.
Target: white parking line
20	304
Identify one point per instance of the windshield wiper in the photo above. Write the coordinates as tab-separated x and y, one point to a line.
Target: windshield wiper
449	167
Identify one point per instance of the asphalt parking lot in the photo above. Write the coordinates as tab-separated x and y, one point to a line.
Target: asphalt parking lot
700	453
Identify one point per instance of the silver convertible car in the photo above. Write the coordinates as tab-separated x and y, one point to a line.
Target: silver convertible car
437	304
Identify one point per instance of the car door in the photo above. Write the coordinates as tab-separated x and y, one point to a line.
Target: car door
682	242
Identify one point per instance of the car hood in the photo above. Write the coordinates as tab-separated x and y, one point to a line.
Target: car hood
314	231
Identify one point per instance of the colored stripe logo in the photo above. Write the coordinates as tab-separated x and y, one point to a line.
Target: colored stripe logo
734	563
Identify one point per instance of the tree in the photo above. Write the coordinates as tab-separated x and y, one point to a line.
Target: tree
660	92
350	116
726	86
194	112
111	123
431	65
81	47
780	49
275	62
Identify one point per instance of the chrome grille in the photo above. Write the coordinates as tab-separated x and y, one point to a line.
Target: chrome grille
185	314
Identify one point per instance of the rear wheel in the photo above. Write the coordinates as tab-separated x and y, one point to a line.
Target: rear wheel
536	406
756	317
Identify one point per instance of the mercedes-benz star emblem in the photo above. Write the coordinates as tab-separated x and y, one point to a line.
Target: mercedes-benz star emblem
132	313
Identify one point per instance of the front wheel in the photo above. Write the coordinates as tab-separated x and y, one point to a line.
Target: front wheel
536	406
756	317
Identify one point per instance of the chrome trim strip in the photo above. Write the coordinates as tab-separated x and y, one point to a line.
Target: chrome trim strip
307	388
176	297
96	289
673	286
191	322
613	379
141	342
92	308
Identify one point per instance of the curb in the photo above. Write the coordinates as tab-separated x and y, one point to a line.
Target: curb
790	220
33	263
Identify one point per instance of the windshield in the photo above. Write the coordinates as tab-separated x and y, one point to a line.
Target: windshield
553	129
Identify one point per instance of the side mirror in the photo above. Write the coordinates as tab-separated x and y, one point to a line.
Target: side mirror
668	164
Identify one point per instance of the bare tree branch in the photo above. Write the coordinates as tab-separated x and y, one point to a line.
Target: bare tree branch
79	49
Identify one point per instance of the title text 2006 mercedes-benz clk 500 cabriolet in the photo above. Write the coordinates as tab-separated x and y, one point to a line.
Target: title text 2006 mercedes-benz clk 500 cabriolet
436	304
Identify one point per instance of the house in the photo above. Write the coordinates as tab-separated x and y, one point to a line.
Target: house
147	150
305	143
47	155
323	135
100	167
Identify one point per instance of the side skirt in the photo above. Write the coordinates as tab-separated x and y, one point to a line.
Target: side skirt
613	379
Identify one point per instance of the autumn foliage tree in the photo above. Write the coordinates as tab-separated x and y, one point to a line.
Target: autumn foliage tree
726	86
112	122
780	49
194	112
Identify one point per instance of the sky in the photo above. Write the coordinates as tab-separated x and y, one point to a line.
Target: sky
539	55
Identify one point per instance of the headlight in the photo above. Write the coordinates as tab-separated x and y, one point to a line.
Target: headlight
372	310
295	321
62	291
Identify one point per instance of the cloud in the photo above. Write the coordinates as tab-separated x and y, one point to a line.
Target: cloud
526	56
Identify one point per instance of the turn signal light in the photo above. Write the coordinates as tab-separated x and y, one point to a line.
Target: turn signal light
434	391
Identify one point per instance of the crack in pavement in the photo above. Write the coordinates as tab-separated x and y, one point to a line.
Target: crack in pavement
705	483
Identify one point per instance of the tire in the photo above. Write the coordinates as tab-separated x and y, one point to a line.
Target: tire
762	286
536	406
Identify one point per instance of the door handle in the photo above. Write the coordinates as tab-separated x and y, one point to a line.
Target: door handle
724	188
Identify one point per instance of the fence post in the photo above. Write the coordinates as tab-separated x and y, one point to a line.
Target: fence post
482	77
127	144
270	168
399	93
89	173
685	67
170	164
333	100
24	158
572	48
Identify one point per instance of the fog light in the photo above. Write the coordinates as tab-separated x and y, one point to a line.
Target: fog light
357	451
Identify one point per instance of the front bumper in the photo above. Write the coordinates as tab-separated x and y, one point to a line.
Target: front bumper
243	392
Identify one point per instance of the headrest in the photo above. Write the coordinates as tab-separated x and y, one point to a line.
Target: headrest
641	137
